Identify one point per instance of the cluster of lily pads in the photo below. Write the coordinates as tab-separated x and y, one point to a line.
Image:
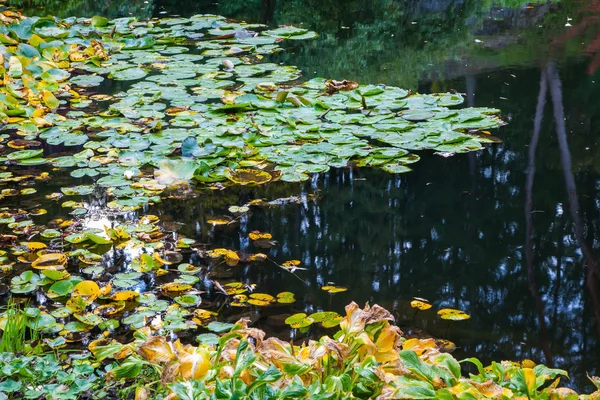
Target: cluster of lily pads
198	103
126	275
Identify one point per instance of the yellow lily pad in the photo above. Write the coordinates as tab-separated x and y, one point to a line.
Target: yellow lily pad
334	289
50	261
248	176
420	305
452	314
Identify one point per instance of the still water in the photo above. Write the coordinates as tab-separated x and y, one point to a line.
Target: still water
509	234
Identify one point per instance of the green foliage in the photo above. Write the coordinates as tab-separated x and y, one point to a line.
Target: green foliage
48	377
19	328
368	359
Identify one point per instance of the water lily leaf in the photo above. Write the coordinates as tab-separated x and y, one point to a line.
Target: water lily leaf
333	289
110	309
219	327
256	235
260	299
420	305
87	290
129	74
394	168
246	176
80	190
59	289
50	233
175	287
171	171
89	319
55	275
50	261
24	154
453	314
285	298
208	339
323	316
126	295
99	22
298	321
87	80
188	300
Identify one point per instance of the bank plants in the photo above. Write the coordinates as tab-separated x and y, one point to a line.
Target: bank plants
368	358
27	373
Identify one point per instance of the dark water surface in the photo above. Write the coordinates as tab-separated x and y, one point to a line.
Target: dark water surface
510	235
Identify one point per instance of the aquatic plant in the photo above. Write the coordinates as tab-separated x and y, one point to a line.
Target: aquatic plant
14	329
50	376
203	107
367	358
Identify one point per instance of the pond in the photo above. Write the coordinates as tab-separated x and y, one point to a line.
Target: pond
509	234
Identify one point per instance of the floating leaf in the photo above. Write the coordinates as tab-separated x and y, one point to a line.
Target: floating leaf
50	261
256	235
452	314
298	321
249	176
188	300
126	295
333	289
420	305
175	287
260	299
286	298
87	290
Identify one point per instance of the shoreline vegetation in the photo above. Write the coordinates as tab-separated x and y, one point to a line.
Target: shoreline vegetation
368	357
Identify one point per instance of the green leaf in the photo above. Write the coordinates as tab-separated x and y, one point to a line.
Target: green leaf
130	368
10	386
219	327
99	21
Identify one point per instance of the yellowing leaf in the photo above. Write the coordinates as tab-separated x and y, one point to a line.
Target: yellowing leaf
105	290
76	303
87	290
420	305
204	314
49	100
246	176
419	346
194	365
218	221
530	380
256	235
291	263
50	261
157	350
333	289
285	298
452	314
231	257
299	320
175	287
34	246
110	309
126	295
261	299
257	257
